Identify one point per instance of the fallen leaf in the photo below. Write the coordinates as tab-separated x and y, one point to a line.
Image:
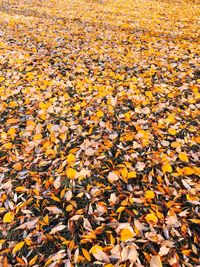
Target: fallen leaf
183	156
18	246
126	235
86	254
151	218
8	217
166	168
71	173
71	158
149	194
155	261
57	228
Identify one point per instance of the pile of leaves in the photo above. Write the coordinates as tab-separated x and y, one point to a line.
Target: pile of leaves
99	121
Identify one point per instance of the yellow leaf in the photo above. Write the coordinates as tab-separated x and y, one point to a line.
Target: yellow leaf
131	174
12	132
86	254
134	80
183	156
126	234
2	209
2	241
151	218
46	219
12	121
48	262
170	118
176	144
8	217
71	173
33	260
186	252
196	171
149	194
13	104
187	171
50	151
120	209
46	145
20	189
28	241
77	107
172	131
197	221
149	94
123	172
166	168
8	145
42	105
55	198
2	78
17	166
95	248
69	208
71	158
100	113
37	137
18	247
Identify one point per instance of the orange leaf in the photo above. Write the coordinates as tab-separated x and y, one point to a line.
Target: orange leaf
33	260
8	145
149	194
86	254
197	221
187	171
17	166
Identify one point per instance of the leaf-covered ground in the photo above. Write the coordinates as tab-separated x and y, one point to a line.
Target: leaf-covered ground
99	123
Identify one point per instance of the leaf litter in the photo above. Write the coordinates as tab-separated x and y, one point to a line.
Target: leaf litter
99	144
